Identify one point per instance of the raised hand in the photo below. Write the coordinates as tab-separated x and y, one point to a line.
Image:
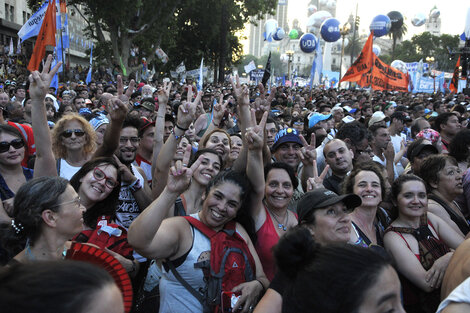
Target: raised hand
263	104
255	134
187	110
316	181
219	110
40	82
180	175
126	175
124	97
164	93
308	153
117	109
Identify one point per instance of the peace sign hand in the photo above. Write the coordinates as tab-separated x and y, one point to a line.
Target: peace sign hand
316	181
180	175
164	93
40	82
219	110
124	97
187	110
308	153
255	134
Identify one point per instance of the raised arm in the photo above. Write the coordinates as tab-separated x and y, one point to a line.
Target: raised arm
255	169
147	234
117	109
186	115
45	164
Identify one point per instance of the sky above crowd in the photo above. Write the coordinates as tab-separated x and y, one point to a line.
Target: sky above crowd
452	13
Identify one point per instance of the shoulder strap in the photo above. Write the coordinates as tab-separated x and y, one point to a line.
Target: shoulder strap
201	226
361	234
185	284
58	166
461	223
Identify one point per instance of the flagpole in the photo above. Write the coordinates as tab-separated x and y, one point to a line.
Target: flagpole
62	48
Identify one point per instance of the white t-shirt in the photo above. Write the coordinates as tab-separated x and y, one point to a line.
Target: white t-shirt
66	170
461	294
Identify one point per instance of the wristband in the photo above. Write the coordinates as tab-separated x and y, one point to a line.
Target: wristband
181	128
136	185
259	281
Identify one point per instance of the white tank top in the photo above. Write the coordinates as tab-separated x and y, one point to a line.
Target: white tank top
66	170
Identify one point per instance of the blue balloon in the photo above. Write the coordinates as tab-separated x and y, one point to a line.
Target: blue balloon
330	30
308	42
380	25
279	34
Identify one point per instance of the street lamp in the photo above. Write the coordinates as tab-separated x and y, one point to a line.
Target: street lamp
431	61
290	55
343	30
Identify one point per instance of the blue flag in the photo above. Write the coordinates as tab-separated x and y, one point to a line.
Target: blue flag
33	25
55	79
201	78
88	76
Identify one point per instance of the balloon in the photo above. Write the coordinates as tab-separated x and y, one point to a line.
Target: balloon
308	43
419	19
380	25
435	13
279	34
397	20
376	49
399	65
311	9
293	34
330	30
317	18
270	29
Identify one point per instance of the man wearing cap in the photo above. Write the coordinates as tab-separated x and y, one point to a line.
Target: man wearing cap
145	150
292	149
339	157
322	120
146	107
417	151
378	117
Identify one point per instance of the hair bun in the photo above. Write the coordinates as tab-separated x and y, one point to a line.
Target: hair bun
295	250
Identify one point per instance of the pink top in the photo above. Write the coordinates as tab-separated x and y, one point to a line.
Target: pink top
267	239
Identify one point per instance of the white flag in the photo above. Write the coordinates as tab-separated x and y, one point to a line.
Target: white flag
11	50
250	66
181	68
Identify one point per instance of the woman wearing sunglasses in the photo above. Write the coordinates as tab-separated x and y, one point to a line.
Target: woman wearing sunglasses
12	174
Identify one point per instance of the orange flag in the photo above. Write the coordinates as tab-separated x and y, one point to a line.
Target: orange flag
46	37
362	64
63	6
454	83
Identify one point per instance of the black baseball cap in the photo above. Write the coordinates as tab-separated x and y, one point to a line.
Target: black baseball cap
321	198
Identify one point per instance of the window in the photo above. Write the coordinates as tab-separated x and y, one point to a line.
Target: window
25	19
7	10
298	59
12	13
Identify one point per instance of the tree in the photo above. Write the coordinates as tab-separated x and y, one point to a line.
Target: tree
397	35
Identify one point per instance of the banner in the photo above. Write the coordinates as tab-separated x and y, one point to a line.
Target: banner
362	64
385	77
455	78
46	37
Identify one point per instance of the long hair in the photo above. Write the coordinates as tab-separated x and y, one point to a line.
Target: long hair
104	207
57	141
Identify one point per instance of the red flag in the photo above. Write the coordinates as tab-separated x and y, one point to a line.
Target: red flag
454	83
362	64
63	6
46	37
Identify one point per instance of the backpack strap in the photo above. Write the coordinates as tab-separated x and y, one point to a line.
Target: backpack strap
201	226
185	284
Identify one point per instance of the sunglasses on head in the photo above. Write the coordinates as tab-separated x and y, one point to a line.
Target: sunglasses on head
15	143
68	133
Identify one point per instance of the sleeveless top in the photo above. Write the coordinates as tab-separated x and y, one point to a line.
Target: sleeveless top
128	209
65	170
267	239
5	191
414	298
461	223
146	166
174	297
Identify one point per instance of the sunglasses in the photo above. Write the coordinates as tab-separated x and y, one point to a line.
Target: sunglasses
98	174
68	133
15	143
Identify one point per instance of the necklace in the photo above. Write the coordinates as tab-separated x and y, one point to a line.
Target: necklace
30	256
279	224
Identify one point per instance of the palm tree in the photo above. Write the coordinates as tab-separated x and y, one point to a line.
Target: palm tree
397	35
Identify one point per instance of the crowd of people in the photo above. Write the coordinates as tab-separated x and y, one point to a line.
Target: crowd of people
234	198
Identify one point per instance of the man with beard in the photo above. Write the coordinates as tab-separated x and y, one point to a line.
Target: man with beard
135	194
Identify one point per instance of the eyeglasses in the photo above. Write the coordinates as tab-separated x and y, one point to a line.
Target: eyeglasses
123	140
98	174
68	133
77	201
15	143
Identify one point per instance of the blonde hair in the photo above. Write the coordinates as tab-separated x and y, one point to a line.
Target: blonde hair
57	144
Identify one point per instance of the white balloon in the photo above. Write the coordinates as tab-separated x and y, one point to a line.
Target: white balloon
435	13
376	49
312	9
399	65
419	19
317	18
270	28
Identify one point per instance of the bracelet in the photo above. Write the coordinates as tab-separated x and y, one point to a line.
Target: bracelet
136	185
181	128
215	124
176	136
262	286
